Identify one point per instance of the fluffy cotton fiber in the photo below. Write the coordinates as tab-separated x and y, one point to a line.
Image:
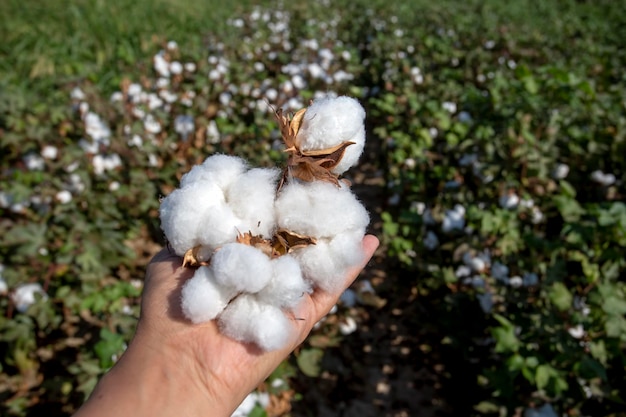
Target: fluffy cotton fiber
251	197
319	209
222	170
242	267
287	285
203	298
248	320
240	285
335	218
326	262
188	212
216	201
330	121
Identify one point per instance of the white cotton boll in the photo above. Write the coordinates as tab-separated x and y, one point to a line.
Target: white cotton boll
319	209
509	200
223	170
348	247
347	326
242	267
326	262
248	320
248	404
197	215
202	298
560	171
319	266
602	178
24	295
454	219
286	286
330	121
161	66
251	197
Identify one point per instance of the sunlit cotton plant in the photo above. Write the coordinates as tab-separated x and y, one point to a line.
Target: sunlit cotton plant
260	238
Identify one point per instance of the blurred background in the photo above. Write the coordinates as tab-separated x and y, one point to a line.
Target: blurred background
494	174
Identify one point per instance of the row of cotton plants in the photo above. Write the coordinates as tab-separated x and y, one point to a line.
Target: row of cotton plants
501	189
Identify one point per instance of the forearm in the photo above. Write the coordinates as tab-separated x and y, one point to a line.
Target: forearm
147	383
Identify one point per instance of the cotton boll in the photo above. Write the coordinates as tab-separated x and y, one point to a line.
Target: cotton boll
248	320
223	170
330	121
218	227
185	214
24	295
319	209
325	263
348	247
287	286
319	266
251	197
242	267
203	298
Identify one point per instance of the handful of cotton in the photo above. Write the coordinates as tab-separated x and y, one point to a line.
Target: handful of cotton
261	239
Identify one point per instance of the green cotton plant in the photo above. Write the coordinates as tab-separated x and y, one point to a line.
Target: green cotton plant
550	232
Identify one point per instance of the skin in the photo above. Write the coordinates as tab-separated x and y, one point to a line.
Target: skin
175	368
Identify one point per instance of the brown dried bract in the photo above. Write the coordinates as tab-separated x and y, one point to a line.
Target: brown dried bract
312	165
289	127
286	241
259	242
190	258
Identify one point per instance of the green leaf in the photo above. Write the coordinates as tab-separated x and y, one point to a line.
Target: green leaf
506	340
515	362
449	276
614	306
110	345
569	208
598	351
616	327
543	374
258	411
590	368
309	361
567	189
560	296
486	407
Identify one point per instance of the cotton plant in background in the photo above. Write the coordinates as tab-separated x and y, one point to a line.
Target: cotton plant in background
261	239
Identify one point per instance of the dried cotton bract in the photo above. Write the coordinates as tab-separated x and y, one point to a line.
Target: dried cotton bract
260	241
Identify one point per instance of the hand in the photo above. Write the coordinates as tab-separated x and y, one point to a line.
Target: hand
176	368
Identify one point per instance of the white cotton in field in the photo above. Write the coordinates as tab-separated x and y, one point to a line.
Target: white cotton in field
325	263
242	267
251	197
331	121
189	211
249	320
319	209
287	286
202	298
223	170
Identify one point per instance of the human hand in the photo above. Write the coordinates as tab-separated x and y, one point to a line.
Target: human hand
173	367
